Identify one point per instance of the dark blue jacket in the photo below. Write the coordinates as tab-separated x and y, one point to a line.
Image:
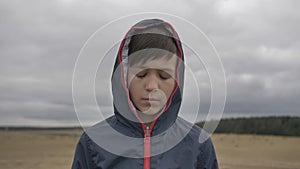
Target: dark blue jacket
123	142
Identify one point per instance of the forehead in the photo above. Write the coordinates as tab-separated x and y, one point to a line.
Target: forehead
160	63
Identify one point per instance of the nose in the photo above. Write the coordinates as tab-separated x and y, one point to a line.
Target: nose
152	83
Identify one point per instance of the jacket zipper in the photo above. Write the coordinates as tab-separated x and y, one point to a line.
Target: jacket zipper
147	147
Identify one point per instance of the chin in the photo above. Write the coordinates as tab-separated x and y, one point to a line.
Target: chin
152	111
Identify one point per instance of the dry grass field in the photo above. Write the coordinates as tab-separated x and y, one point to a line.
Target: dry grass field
54	150
257	152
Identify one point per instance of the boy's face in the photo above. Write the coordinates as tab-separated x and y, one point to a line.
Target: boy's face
151	84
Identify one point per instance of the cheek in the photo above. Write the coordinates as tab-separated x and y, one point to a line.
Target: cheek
134	88
168	87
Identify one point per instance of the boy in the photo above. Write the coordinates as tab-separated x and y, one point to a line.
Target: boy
147	86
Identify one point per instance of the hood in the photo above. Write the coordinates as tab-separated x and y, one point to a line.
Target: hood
124	110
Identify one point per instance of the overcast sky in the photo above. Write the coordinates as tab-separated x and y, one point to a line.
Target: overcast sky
258	42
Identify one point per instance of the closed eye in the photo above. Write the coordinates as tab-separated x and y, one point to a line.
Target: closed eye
164	75
141	75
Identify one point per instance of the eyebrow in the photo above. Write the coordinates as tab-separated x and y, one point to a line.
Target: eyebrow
164	69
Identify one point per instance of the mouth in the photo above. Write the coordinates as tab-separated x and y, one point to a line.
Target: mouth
151	101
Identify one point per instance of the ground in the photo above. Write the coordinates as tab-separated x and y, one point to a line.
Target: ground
55	149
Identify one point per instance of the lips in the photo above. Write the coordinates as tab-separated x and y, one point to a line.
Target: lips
151	101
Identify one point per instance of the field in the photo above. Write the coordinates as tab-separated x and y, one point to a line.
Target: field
257	152
45	149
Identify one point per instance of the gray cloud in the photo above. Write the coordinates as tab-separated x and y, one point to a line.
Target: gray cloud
258	42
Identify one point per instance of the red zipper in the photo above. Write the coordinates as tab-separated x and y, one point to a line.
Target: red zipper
147	148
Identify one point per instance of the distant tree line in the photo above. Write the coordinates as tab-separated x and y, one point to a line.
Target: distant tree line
286	126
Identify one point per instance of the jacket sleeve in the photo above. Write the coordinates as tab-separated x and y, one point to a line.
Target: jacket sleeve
82	157
207	158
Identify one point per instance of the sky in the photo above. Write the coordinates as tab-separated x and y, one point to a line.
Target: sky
258	42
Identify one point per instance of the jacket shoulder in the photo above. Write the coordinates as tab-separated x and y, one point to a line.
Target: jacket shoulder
206	158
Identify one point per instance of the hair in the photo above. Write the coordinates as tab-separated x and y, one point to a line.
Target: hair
158	42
